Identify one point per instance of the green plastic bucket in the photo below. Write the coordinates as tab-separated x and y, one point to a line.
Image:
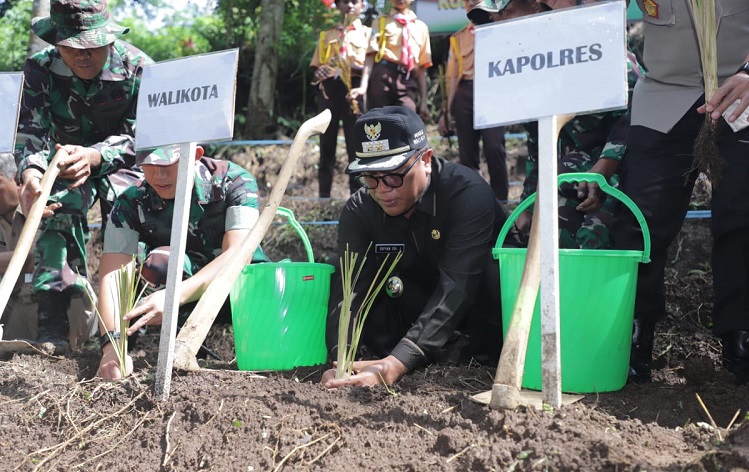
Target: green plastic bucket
596	303
279	311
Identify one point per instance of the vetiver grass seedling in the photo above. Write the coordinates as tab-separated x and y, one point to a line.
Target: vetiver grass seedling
706	153
350	272
125	291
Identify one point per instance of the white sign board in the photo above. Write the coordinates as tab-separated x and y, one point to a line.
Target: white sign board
187	100
10	101
560	62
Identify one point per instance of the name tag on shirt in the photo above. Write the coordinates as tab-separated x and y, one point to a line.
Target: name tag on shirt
388	248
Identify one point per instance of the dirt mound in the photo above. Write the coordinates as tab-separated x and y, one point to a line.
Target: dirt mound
56	416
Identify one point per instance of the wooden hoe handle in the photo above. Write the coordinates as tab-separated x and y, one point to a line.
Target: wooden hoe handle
509	376
26	239
195	330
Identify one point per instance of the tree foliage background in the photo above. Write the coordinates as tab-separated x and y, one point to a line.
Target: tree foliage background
167	34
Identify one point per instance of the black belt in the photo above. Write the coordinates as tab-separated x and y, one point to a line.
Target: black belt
400	68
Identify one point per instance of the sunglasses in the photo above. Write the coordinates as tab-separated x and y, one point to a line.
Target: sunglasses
392	180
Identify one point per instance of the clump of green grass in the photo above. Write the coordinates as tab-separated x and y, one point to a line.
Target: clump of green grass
350	272
127	290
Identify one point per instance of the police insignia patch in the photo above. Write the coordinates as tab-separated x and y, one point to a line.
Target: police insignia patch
651	8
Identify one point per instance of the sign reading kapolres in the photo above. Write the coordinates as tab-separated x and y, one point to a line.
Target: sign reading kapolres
565	61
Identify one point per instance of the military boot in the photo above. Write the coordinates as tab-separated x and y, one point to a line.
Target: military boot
53	320
641	355
736	355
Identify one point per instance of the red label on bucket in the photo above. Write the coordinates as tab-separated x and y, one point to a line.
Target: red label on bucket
308	277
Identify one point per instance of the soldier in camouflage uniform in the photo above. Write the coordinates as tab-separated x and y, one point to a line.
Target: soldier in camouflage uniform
224	208
80	95
588	143
19	320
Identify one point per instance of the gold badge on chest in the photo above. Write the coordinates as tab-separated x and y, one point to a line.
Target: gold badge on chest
651	8
436	234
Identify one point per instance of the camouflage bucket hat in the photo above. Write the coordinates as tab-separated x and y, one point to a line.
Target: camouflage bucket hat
163	156
79	24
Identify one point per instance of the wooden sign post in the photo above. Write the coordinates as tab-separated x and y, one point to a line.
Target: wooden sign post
546	67
183	102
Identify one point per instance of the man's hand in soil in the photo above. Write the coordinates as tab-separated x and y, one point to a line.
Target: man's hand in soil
368	373
79	164
149	312
109	367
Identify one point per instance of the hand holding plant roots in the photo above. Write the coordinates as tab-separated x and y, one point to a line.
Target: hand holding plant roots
350	272
706	153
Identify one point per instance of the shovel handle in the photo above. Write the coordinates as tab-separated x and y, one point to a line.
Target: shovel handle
512	359
196	328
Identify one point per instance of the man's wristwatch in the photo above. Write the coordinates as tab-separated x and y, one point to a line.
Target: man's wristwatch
105	339
744	68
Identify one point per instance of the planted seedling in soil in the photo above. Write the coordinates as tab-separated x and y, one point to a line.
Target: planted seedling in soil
350	272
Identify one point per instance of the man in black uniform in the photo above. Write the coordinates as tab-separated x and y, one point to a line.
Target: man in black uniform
445	219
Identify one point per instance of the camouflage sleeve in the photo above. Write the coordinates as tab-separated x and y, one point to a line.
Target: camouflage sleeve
118	150
121	235
241	198
616	144
34	121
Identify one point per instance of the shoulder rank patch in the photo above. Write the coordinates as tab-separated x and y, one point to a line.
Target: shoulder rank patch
651	8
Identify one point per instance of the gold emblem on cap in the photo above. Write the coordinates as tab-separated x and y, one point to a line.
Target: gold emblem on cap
436	234
373	131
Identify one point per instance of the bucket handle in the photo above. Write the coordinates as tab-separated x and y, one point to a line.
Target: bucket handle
281	211
608	189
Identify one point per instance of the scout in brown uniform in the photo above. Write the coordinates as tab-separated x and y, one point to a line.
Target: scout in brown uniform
459	75
339	69
401	54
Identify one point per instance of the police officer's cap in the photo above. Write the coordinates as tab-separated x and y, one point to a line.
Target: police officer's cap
386	138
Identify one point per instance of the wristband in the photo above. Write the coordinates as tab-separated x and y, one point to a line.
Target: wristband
105	339
744	68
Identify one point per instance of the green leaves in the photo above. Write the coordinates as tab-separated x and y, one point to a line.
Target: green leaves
126	290
350	272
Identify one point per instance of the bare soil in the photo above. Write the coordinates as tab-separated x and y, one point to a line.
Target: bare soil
56	416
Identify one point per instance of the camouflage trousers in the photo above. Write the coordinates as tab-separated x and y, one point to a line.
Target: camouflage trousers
20	319
578	229
61	248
